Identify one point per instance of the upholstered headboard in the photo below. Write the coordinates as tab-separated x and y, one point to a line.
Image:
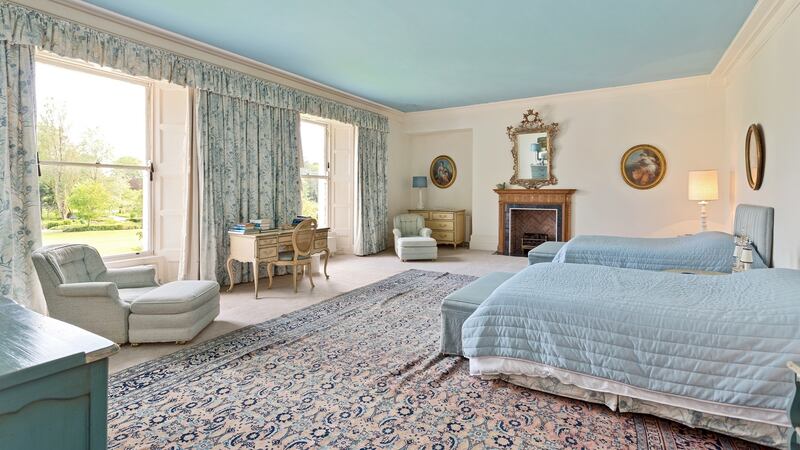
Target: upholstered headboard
756	222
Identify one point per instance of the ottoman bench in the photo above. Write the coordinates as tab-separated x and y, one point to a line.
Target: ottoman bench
459	305
544	253
416	248
174	312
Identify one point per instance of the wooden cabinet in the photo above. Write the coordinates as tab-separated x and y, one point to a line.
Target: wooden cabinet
447	225
53	383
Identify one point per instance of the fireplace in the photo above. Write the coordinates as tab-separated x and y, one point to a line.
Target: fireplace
532	220
530	217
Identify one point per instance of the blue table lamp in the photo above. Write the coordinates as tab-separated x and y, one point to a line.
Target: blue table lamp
419	183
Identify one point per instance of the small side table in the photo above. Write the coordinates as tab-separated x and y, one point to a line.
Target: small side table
794	409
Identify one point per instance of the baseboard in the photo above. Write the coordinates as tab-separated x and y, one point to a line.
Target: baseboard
483	242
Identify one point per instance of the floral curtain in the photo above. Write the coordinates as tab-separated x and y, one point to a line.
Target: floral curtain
371	202
189	263
22	25
247	148
248	169
20	219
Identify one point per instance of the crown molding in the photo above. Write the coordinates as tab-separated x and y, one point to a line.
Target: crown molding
765	19
268	72
650	86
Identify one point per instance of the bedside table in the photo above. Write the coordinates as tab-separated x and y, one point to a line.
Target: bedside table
794	409
695	272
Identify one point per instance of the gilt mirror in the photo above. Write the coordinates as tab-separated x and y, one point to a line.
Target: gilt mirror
533	150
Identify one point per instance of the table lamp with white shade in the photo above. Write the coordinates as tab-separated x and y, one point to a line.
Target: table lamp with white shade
419	183
703	187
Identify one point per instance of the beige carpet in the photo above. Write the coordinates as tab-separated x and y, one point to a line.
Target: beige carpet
239	308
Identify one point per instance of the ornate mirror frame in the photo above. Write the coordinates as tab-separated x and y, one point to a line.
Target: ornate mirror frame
533	123
754	135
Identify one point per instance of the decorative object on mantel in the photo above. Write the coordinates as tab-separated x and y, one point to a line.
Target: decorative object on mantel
443	171
557	200
643	166
754	156
419	183
500	185
703	187
533	151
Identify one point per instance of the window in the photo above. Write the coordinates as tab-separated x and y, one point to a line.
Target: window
94	152
314	173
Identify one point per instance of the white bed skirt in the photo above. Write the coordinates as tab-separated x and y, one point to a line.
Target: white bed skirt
764	426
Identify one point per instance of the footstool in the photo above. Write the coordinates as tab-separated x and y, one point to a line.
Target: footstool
459	305
174	312
544	253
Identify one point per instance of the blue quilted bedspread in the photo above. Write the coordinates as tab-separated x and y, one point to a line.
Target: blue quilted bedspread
711	251
722	338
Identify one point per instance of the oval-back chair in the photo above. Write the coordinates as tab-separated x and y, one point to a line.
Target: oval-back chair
300	255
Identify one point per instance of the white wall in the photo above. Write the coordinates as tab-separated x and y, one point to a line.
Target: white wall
765	89
684	118
423	148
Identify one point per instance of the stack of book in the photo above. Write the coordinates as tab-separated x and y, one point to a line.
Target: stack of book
255	226
264	224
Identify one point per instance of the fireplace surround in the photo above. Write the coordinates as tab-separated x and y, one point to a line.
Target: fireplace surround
533	211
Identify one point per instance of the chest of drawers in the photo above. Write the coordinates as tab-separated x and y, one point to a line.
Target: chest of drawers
53	383
447	225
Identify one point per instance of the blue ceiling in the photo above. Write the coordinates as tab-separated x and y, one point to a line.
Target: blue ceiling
425	54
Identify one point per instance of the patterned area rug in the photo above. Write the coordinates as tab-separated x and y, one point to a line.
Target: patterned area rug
360	371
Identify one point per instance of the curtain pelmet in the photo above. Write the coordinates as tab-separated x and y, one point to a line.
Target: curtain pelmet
22	25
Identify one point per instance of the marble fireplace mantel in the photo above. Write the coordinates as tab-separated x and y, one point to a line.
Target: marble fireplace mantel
559	199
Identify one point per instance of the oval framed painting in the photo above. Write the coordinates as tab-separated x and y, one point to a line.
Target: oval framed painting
754	157
443	171
643	166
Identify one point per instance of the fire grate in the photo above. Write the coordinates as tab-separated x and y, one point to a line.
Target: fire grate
532	240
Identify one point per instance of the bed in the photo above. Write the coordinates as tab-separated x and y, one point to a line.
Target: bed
708	251
707	351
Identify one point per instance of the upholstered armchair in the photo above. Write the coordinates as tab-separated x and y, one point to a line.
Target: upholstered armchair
412	240
80	290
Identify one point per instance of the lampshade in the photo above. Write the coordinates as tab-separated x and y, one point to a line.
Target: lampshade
419	182
703	185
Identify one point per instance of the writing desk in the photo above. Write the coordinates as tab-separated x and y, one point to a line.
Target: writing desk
264	247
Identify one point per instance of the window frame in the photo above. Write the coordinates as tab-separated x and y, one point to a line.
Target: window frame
148	197
327	160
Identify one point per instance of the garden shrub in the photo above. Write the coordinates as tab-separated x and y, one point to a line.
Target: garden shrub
50	224
99	227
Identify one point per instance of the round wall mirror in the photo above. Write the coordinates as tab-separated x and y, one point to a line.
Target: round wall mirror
754	157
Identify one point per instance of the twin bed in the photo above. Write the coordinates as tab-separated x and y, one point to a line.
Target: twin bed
707	351
710	251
